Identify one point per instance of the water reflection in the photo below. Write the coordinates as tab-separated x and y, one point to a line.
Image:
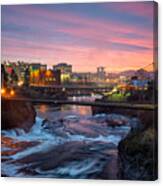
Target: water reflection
80	110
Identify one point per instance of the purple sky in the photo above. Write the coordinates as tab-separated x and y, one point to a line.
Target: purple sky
118	36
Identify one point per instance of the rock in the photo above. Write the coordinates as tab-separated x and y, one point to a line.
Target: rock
71	118
12	146
114	120
53	127
44	122
17	114
138	155
136	125
115	123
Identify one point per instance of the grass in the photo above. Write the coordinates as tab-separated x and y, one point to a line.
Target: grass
117	97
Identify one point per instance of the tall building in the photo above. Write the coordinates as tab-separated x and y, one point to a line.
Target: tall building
101	73
43	69
65	70
40	75
26	77
35	73
21	69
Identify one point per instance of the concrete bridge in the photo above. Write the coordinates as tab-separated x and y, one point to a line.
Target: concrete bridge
118	105
73	89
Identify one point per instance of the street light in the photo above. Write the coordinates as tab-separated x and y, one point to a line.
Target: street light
20	83
12	92
3	91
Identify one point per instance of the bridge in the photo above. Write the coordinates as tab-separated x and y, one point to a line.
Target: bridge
72	89
118	105
71	86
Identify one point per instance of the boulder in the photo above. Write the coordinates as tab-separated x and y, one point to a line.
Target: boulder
17	114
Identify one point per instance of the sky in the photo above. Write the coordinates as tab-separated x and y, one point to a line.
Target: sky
118	36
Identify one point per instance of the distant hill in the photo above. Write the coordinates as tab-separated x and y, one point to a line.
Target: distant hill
127	73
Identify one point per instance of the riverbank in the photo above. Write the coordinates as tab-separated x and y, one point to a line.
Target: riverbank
138	151
17	114
138	155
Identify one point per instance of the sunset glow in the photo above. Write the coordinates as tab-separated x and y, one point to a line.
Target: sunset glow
118	36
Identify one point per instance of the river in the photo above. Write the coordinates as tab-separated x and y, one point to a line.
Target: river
66	142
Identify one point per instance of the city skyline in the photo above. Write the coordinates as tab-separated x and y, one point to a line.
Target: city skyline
118	36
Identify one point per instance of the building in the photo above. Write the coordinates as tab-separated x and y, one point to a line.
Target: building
22	70
101	74
34	73
65	70
84	77
43	67
3	76
52	77
40	75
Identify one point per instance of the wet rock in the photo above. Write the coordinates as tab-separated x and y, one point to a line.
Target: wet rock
101	118
110	170
11	147
136	125
44	122
71	118
138	155
114	120
53	127
114	123
17	114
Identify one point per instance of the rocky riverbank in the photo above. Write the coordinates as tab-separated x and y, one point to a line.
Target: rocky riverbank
137	153
17	114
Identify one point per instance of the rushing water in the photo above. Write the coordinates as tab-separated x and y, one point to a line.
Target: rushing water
66	142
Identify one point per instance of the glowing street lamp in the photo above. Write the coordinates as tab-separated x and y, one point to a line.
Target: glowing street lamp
3	91
63	89
48	73
20	83
12	92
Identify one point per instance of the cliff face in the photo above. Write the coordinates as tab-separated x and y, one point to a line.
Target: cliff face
17	114
138	154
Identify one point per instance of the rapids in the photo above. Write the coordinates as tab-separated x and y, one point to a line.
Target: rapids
66	142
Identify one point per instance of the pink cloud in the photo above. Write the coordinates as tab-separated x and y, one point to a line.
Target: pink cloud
83	59
134	8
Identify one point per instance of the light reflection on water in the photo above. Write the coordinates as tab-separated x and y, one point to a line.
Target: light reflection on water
45	111
81	110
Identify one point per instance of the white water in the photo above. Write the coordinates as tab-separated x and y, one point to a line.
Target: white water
46	139
77	124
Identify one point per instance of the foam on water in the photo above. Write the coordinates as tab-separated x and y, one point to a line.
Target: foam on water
46	139
74	169
111	138
34	133
49	138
